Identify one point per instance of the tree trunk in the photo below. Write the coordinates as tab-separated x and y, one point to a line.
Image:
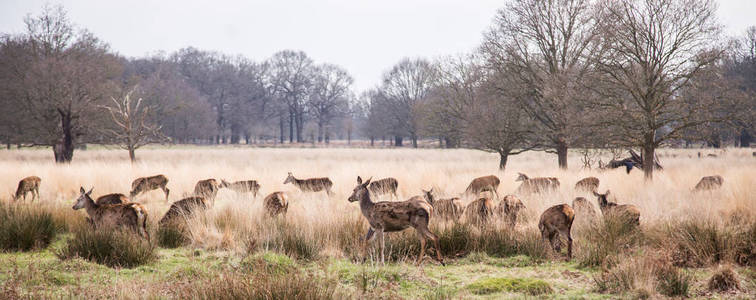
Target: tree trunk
648	161
299	118
503	156
235	133
282	125
64	151
414	140
291	126
372	141
320	132
132	155
561	149
397	141
328	135
745	139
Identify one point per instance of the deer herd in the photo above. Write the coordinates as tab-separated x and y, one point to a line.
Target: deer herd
555	223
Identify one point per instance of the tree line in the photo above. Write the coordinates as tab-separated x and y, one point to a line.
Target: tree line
547	76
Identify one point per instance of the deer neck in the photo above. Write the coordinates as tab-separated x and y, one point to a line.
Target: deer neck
91	207
366	204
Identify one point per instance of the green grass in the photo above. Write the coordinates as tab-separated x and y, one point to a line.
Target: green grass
25	228
527	286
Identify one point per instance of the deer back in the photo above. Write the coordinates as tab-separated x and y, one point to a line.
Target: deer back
184	207
384	186
112	199
559	217
587	184
709	183
276	203
479	184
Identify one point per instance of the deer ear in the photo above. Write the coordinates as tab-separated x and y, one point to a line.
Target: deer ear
81	190
289	173
596	194
368	181
90	191
359	180
607	192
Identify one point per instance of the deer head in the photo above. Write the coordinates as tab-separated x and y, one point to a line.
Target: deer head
224	183
602	199
360	190
83	198
429	196
521	177
290	178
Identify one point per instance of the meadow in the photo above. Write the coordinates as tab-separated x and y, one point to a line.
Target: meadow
688	245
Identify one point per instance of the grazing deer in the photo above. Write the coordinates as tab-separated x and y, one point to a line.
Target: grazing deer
384	186
480	211
389	216
311	184
207	189
536	185
276	203
184	208
485	183
556	221
246	186
709	183
112	199
584	211
509	208
130	215
629	212
26	185
448	209
146	184
587	184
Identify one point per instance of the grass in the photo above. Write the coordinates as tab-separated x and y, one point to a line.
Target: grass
25	228
527	286
110	247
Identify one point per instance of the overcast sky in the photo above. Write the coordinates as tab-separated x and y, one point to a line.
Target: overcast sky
365	36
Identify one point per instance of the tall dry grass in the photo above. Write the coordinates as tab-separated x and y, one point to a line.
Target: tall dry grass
317	225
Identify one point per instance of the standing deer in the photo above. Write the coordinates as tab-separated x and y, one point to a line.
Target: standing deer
311	184
184	208
480	211
112	199
388	216
587	184
448	209
130	215
246	186
276	203
536	185
384	186
26	185
556	221
509	208
628	212
207	189
481	184
709	183
146	184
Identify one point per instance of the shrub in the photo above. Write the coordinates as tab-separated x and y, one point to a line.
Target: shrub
603	242
518	285
724	280
294	241
628	275
24	228
172	236
114	248
699	243
672	281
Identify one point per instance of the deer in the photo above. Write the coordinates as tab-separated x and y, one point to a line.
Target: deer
390	216
479	211
276	203
509	208
585	213
207	189
536	185
587	184
384	186
246	186
555	222
130	215
26	185
311	184
709	183
116	198
184	208
629	212
485	183
146	184
448	209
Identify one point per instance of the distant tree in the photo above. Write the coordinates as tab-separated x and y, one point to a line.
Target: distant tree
132	125
291	78
403	90
329	96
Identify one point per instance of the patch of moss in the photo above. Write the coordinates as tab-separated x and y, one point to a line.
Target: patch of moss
528	286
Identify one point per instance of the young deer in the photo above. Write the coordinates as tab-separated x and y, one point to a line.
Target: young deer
480	211
276	203
207	189
246	186
709	183
556	221
384	186
450	209
311	184
184	208
146	184
388	216
536	185
485	183
130	215
588	184
26	185
628	212
509	208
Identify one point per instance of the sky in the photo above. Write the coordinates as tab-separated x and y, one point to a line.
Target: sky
366	37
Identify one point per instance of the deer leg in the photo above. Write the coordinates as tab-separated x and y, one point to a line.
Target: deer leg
422	246
569	245
166	191
368	237
434	238
383	247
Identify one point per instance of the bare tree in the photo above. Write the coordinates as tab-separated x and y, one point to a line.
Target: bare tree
652	50
404	88
133	126
548	45
291	77
329	94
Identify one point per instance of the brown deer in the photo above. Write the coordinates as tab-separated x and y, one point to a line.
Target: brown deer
628	212
146	184
246	186
587	184
207	189
311	184
276	203
556	221
480	211
184	208
450	209
536	185
26	185
481	184
509	209
130	215
708	183
112	199
389	216
384	186
585	213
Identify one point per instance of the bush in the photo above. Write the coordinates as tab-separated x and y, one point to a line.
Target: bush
172	236
294	241
628	275
114	248
672	281
24	228
724	280
518	285
603	242
699	243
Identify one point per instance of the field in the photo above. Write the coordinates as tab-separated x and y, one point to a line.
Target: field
232	251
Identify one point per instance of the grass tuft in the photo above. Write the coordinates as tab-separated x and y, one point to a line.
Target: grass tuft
25	228
724	280
517	285
113	248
